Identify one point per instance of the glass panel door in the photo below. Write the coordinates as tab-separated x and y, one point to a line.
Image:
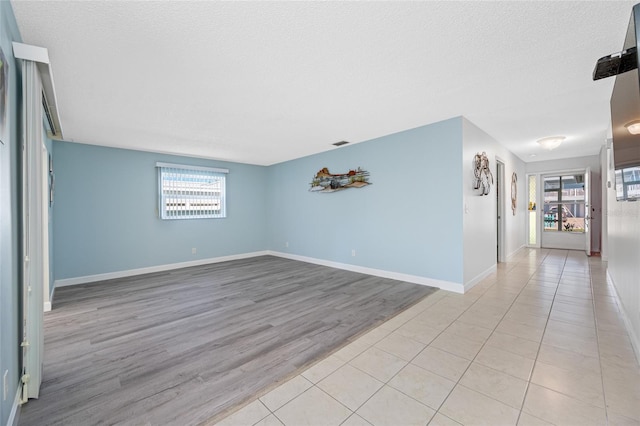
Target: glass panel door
533	222
564	203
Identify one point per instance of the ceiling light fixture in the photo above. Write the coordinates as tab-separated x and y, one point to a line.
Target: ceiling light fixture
551	142
633	127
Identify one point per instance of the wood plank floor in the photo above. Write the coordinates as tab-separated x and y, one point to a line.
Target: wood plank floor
186	346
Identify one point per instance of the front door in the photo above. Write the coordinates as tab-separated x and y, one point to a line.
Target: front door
564	210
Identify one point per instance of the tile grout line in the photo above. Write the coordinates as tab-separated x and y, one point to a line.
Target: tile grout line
553	390
446	328
526	390
313	385
493	331
386	383
345	363
483	345
595	321
409	361
353	366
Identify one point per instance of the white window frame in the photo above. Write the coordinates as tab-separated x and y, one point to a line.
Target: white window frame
190	192
622	185
561	203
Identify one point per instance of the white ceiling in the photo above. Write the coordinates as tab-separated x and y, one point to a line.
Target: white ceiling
265	82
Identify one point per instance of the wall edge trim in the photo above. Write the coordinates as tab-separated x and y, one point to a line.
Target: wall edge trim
150	269
49	305
14	415
635	339
414	279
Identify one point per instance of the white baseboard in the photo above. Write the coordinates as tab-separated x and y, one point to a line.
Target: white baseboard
518	250
14	415
469	285
633	334
49	305
415	279
159	268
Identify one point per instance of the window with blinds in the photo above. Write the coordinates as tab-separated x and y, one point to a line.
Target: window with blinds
190	192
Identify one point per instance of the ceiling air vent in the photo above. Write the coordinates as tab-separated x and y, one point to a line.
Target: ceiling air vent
340	143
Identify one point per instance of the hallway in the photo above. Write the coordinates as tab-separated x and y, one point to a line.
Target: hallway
540	341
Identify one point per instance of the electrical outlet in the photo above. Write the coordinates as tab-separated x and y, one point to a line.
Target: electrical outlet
5	385
353	252
194	251
286	244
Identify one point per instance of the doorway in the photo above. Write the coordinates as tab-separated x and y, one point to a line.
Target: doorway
500	231
564	212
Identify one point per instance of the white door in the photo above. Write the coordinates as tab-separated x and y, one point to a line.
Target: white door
500	211
33	228
587	211
45	194
564	210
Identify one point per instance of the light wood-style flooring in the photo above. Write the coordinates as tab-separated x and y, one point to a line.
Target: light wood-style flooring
187	346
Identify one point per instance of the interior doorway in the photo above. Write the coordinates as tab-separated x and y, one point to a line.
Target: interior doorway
500	211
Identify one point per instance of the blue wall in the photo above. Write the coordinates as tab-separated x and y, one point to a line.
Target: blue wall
10	311
409	219
105	210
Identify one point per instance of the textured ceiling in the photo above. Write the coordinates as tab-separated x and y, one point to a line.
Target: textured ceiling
265	82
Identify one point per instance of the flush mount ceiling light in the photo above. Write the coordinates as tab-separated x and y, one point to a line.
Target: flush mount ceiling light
633	127
551	142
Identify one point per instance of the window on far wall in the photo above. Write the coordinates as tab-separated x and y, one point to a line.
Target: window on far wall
191	192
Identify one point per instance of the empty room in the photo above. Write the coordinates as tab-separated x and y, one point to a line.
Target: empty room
319	213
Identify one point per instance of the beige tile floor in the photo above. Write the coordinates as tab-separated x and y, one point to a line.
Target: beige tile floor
539	342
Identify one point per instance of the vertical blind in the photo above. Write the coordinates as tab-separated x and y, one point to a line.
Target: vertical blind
190	192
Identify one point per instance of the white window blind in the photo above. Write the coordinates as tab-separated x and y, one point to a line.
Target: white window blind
191	192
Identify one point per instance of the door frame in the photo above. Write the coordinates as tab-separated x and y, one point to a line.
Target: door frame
45	197
500	211
34	228
540	215
587	210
